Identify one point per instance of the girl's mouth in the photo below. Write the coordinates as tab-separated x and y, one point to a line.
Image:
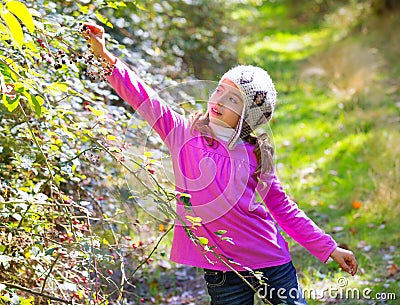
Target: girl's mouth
215	111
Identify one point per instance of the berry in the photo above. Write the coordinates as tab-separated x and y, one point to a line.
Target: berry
110	272
148	261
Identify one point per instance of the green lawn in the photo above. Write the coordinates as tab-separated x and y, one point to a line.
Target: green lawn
336	132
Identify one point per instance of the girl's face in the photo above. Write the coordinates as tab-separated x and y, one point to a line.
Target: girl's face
226	104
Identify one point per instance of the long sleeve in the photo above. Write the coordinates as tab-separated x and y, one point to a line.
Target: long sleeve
294	221
146	102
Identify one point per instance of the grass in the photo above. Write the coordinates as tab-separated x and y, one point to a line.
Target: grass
337	141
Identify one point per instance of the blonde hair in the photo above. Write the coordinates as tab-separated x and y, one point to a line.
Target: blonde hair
263	148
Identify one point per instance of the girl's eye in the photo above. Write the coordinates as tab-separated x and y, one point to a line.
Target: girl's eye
233	100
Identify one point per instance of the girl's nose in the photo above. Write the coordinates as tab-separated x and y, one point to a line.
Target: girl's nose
220	100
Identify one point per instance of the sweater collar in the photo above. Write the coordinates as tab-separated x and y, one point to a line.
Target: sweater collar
222	133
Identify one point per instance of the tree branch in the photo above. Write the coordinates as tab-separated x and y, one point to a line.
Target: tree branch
44	295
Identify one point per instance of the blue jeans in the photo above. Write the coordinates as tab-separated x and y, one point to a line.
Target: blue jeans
279	285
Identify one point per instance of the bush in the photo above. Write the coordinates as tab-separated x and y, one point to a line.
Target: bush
72	231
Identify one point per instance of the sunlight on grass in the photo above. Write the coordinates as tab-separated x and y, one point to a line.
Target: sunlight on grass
289	46
336	133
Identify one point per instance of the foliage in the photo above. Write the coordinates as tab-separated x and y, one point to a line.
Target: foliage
180	36
72	229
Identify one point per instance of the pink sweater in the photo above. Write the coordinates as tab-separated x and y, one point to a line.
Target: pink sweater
223	192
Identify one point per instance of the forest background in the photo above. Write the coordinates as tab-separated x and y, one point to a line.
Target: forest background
86	202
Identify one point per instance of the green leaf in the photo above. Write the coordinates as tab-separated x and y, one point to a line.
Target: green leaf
6	71
14	27
185	198
59	87
83	9
28	301
50	251
116	5
9	103
220	232
54	148
40	102
103	19
95	111
21	11
148	154
35	101
193	219
203	241
114	149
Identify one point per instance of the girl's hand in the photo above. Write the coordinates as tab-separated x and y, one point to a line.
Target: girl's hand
345	260
94	35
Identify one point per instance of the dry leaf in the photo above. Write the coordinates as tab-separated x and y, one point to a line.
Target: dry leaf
353	230
356	204
393	270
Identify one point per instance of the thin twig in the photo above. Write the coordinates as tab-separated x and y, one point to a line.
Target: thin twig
44	295
147	258
49	272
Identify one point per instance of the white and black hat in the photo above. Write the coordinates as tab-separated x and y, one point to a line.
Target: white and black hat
259	95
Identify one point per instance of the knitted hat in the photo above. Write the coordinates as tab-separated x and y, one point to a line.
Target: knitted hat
259	95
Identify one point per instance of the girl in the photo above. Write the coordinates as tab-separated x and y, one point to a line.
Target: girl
222	166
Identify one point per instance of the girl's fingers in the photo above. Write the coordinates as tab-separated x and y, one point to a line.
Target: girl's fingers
354	265
344	266
94	28
350	264
351	261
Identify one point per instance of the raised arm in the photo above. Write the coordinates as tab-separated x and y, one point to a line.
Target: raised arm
134	91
